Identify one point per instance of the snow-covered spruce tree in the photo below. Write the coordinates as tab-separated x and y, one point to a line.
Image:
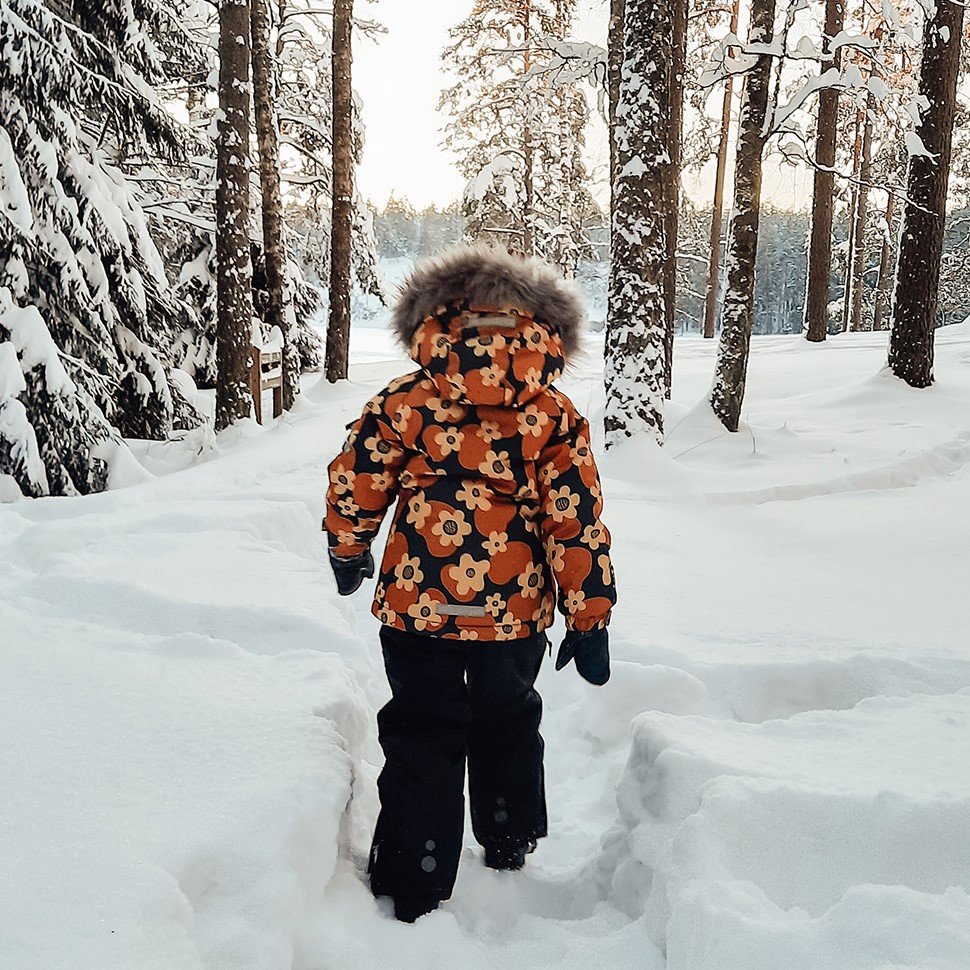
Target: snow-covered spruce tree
517	126
921	245
737	314
234	271
636	318
86	319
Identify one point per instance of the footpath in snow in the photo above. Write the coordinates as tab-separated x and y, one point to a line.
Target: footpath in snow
775	777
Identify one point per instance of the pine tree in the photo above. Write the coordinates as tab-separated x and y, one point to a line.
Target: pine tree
87	322
518	128
338	328
737	314
636	321
920	252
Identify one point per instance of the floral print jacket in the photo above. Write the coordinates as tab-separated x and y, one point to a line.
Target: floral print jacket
498	494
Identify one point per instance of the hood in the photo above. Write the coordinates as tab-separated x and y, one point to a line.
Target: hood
482	276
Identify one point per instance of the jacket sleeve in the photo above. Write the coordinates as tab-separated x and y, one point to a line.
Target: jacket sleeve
363	482
576	541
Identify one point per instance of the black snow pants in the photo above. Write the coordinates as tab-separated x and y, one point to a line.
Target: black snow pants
454	700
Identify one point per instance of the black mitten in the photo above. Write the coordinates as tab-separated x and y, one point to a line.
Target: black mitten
350	573
591	651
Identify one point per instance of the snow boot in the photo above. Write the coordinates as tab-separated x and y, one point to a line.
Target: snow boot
508	857
407	909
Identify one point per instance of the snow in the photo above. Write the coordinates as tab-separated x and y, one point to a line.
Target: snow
776	775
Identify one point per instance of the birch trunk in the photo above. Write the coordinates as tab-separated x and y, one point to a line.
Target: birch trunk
338	327
636	324
279	312
234	292
823	194
921	244
737	317
717	211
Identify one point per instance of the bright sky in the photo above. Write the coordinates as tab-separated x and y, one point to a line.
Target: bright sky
399	77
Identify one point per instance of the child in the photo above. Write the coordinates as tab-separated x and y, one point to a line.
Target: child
499	505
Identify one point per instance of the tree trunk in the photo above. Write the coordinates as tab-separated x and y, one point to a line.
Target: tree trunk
717	211
338	328
861	220
636	325
823	195
921	244
234	293
528	152
737	317
279	312
614	65
853	215
885	257
678	65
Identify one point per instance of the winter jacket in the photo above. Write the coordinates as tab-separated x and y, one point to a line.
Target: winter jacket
498	494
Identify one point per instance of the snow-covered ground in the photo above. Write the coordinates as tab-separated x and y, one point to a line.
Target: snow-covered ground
777	775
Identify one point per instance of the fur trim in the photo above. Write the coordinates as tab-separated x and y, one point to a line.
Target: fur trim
486	276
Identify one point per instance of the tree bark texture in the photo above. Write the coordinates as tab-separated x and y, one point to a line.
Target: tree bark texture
853	215
279	311
678	65
823	194
528	151
737	316
234	294
921	244
614	66
885	258
861	220
341	243
636	324
717	210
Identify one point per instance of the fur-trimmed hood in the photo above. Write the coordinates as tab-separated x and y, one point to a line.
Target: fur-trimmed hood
484	276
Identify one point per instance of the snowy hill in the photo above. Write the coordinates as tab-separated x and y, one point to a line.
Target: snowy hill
775	777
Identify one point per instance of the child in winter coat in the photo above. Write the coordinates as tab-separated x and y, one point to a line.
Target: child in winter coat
498	509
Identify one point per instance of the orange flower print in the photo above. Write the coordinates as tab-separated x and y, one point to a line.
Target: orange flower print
561	504
387	616
380	482
496	542
494	605
381	452
401	418
508	628
491	376
445	410
489	430
548	473
465	634
469	575
531	581
440	345
574	601
418	511
535	338
347	506
424	613
555	555
603	561
594	536
451	528
474	497
408	573
533	379
342	479
532	420
449	440
496	465
488	344
457	384
581	454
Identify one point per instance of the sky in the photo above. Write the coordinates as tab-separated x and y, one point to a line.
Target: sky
399	77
